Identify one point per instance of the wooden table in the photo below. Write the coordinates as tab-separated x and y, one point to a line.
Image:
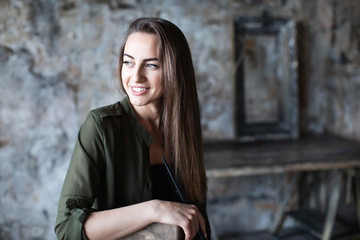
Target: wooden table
311	153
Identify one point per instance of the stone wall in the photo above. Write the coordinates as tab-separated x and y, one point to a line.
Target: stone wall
58	60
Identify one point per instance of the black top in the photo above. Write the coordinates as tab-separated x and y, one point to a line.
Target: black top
163	188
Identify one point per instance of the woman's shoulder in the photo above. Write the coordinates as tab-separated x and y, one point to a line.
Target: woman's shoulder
116	109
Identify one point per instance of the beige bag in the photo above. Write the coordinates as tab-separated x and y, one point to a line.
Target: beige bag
157	231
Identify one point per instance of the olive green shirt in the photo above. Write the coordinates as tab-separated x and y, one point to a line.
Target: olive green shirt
109	168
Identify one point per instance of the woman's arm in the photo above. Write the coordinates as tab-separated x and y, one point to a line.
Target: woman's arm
120	222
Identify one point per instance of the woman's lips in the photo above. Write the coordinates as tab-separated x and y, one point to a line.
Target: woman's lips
138	90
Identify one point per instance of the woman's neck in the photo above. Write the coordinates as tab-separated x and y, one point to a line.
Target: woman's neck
149	117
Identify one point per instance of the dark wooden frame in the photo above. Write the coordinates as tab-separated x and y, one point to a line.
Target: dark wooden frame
287	125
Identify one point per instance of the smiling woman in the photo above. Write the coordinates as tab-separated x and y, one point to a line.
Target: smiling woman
116	183
141	72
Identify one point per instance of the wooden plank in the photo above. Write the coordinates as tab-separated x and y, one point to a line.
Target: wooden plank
253	170
232	158
157	231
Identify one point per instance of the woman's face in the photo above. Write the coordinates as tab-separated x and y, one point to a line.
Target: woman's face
141	71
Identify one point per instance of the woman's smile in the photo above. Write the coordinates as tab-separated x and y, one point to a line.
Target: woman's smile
139	90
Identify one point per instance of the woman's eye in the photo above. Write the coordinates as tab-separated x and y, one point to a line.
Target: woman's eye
152	66
127	63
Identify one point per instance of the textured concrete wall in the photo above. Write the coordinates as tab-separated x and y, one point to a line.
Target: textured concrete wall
330	80
58	59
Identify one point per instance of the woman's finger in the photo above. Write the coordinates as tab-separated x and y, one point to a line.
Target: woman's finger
186	216
195	223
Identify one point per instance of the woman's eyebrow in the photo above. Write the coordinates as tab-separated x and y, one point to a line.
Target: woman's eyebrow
150	59
145	60
128	56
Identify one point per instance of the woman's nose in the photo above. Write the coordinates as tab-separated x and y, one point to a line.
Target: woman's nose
138	75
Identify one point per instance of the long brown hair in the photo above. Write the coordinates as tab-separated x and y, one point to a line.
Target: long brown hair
180	118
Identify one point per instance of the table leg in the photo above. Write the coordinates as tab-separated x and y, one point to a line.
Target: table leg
280	214
332	208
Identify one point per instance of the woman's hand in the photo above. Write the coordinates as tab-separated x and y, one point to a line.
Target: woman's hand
186	216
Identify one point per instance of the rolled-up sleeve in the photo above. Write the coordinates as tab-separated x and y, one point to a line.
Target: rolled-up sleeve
82	181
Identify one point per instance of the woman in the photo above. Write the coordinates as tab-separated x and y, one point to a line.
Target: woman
116	183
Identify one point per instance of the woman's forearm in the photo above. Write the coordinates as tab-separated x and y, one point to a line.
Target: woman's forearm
119	222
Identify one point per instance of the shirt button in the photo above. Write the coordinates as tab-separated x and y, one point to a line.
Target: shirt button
71	204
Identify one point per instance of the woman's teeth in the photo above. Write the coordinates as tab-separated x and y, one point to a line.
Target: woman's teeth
138	89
